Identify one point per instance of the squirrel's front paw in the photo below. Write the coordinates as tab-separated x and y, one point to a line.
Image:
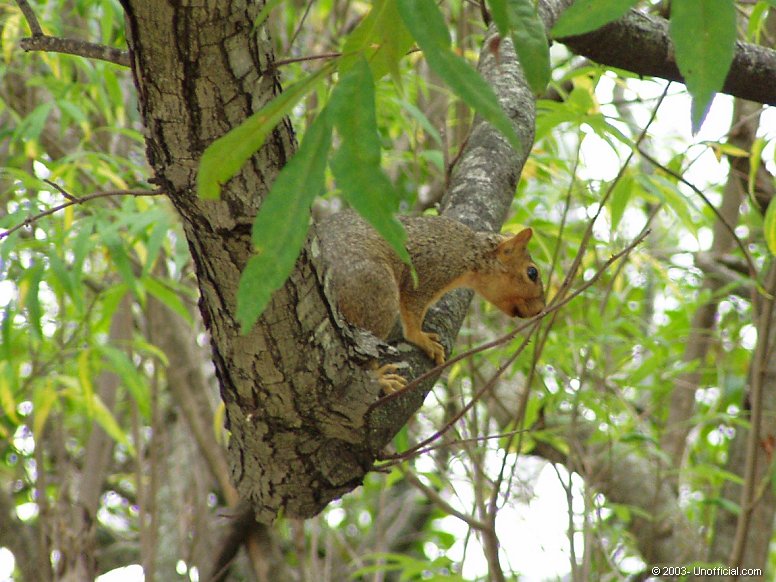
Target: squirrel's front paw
434	349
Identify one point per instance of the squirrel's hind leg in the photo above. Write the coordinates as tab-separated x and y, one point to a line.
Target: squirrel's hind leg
387	378
368	297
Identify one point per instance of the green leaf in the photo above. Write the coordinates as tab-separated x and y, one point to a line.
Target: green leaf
672	196
427	25
120	258
280	228
65	277
518	19
264	13
105	419
422	119
769	226
619	199
32	125
43	399
755	161
131	378
167	297
500	15
7	399
85	375
704	36
225	156
153	246
28	297
382	38
588	15
356	164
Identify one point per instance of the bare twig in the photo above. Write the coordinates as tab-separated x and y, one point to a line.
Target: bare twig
43	42
533	322
759	362
437	499
72	46
301	24
29	15
281	62
71	201
707	202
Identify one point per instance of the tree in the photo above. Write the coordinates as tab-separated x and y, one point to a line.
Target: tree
648	377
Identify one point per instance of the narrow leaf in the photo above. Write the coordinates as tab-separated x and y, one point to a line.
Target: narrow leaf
280	228
225	156
356	165
588	15
85	379
7	399
530	40
167	297
427	25
133	381
381	37
28	296
755	161
621	194
704	37
43	400
121	260
500	16
105	419
264	13
769	226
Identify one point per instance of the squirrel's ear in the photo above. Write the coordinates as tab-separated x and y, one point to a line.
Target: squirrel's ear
523	236
515	242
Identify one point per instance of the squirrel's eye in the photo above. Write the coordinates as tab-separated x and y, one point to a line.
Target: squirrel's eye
533	274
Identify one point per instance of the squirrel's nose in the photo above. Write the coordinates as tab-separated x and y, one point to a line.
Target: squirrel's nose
526	309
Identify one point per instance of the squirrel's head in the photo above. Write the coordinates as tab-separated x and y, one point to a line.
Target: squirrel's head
512	283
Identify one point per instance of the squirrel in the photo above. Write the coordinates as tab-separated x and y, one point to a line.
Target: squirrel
372	286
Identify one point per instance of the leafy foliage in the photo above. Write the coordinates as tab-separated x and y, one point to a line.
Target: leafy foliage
85	289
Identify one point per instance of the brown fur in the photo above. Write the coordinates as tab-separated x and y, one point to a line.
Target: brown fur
373	287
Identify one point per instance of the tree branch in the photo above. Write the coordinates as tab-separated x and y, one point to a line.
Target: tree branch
633	476
640	43
43	42
71	201
29	15
80	48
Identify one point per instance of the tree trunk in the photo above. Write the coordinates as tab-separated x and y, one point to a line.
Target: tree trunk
297	396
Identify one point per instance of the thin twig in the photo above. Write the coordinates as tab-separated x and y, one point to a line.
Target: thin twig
71	201
43	42
707	202
281	62
80	48
759	367
533	322
29	15
301	24
436	498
